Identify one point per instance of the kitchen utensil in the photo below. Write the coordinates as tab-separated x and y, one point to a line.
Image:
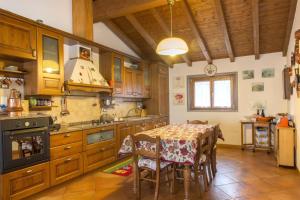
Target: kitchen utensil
19	81
14	104
64	107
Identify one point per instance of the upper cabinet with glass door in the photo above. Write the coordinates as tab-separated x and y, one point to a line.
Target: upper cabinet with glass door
112	69
49	71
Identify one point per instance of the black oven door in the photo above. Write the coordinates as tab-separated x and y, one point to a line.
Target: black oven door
23	148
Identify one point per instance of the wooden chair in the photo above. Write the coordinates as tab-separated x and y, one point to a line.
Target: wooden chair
197	122
201	165
202	161
213	158
149	160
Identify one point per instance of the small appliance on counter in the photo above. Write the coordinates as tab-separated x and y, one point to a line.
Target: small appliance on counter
24	142
52	125
14	103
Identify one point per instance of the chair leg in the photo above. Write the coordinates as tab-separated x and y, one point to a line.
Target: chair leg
205	178
173	179
138	184
157	186
209	171
197	182
214	162
167	176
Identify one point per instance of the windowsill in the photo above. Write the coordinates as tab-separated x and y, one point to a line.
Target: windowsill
212	110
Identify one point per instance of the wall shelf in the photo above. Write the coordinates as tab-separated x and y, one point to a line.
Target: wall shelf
12	74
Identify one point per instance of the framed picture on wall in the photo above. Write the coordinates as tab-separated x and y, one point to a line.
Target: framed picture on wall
178	82
258	87
268	73
178	98
248	74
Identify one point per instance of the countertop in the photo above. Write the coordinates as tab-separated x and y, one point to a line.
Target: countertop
86	126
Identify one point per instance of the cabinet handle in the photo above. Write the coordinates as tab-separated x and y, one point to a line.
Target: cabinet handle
67	135
29	171
68	159
68	147
34	52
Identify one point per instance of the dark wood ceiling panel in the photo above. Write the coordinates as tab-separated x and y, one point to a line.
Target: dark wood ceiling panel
240	20
206	18
273	16
131	33
238	16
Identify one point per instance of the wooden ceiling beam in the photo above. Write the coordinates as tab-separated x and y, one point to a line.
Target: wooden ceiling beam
116	30
289	27
224	29
201	42
166	29
255	21
147	37
106	9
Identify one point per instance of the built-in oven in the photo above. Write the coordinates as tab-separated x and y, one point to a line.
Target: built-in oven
25	142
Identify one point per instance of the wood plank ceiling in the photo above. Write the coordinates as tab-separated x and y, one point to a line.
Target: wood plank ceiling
213	29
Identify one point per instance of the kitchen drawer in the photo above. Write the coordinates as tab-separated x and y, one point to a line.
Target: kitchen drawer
65	168
25	182
99	137
65	150
96	158
65	138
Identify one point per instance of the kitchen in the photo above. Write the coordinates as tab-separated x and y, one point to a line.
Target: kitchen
96	70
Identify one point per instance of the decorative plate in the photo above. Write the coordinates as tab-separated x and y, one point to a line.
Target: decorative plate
210	69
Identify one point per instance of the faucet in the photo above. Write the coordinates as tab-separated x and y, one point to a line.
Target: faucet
137	111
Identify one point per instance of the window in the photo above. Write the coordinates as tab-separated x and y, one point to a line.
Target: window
217	93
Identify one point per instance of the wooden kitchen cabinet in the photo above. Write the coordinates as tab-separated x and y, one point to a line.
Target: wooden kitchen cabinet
128	82
285	144
98	157
112	66
46	76
65	150
123	131
25	182
147	80
159	102
18	38
65	168
133	82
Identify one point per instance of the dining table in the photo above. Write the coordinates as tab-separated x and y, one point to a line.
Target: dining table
178	145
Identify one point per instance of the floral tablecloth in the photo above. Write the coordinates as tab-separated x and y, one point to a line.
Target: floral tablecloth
178	141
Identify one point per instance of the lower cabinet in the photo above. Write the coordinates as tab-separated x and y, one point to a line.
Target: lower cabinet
66	168
25	182
98	157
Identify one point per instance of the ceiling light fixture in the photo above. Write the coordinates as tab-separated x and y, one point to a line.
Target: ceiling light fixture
172	46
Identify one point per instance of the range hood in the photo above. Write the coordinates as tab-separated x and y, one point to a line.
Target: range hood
82	75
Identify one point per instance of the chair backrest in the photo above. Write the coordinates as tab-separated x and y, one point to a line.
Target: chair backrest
150	150
215	135
204	143
197	122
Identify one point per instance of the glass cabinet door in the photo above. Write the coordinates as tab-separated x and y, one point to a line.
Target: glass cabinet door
117	69
50	60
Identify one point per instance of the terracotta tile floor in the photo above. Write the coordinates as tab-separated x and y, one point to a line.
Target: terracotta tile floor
241	176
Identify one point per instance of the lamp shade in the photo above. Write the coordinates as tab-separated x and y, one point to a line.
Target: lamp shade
172	46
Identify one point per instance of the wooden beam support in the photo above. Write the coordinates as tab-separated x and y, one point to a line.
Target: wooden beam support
106	9
255	21
116	30
82	13
201	42
224	29
166	29
289	27
147	37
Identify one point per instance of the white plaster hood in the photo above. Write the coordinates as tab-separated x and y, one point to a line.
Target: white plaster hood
83	71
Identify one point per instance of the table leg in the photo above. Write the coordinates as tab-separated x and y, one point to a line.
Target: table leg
187	178
134	178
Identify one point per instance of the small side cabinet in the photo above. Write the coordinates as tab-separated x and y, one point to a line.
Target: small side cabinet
285	146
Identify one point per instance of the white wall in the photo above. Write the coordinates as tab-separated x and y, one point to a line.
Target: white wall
56	13
294	104
103	35
230	121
